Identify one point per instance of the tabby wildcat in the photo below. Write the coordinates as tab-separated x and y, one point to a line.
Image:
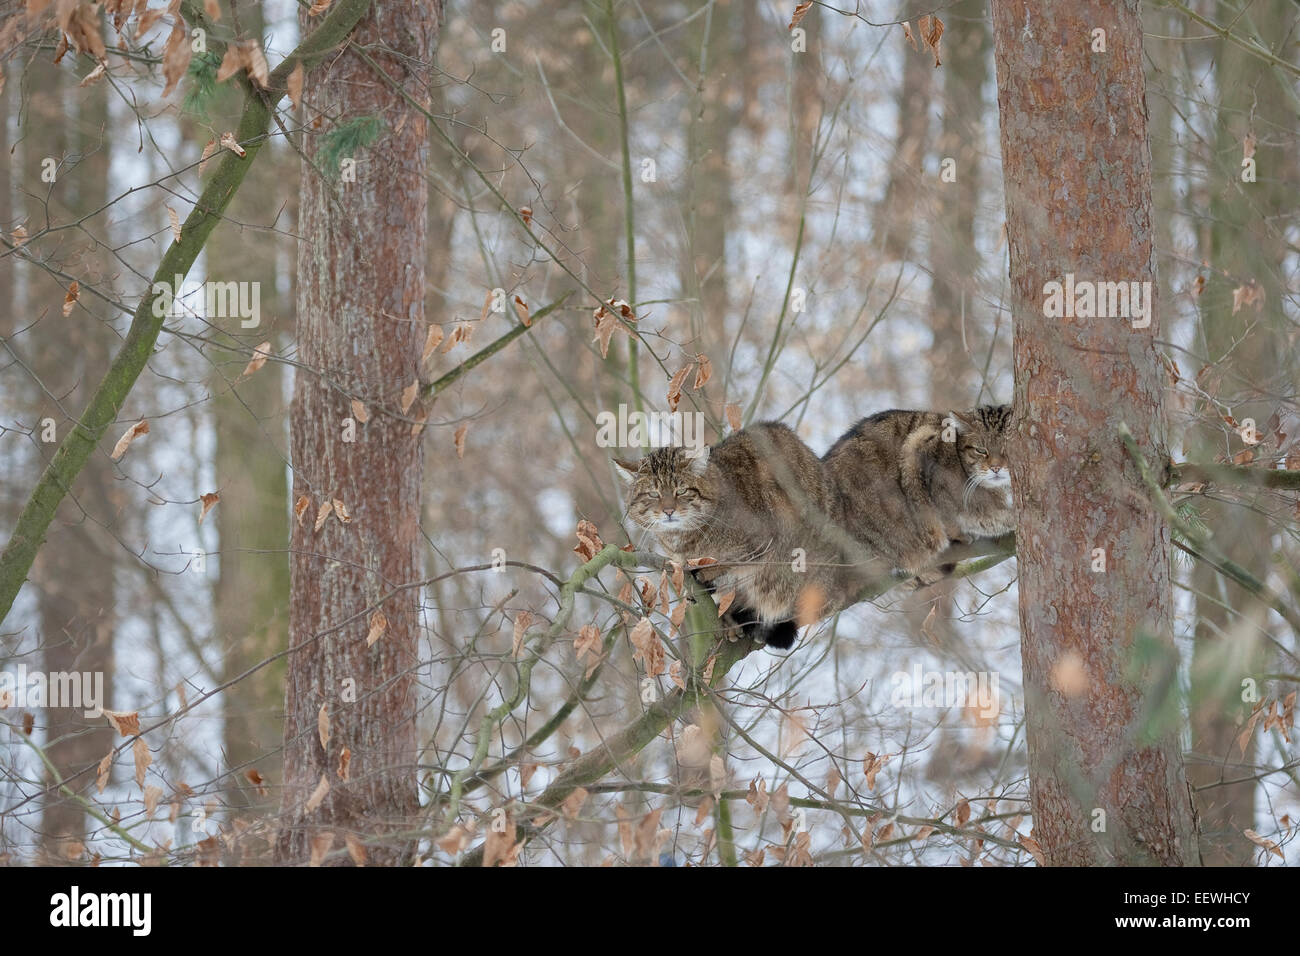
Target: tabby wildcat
748	502
907	484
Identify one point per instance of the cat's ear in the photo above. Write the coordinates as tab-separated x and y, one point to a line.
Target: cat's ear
626	470
962	420
700	462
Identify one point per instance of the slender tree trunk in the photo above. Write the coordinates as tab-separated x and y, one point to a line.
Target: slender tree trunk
1106	771
954	258
250	596
74	595
894	219
1241	244
360	330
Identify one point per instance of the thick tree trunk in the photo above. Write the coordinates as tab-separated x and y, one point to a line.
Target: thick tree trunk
1106	772
360	331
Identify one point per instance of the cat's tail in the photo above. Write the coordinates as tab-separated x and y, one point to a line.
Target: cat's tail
781	634
778	634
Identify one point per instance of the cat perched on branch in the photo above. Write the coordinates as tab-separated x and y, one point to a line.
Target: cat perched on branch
798	538
908	484
758	503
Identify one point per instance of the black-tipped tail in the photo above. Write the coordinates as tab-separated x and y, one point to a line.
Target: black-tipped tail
780	635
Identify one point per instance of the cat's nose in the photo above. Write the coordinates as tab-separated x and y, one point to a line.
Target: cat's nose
668	512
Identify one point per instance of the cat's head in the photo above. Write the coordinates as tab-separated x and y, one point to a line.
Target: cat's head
669	491
982	437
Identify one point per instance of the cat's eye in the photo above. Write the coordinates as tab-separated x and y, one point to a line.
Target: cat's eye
682	491
982	452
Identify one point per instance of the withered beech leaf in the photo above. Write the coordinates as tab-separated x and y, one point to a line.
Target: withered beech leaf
675	386
318	795
325	510
345	764
229	142
431	342
231	64
125	723
341	512
321	844
800	11
260	355
360	412
356	849
931	30
300	507
521	309
459	438
911	37
140	753
323	725
587	644
962	813
733	417
573	803
174	220
94	76
176	56
209	148
139	428
255	63
70	300
294	85
378	627
522	620
589	543
101	772
152	795
703	370
408	395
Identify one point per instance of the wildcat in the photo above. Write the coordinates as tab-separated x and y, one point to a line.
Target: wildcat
748	502
909	483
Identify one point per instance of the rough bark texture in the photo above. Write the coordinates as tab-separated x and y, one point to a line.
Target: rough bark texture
360	329
1076	168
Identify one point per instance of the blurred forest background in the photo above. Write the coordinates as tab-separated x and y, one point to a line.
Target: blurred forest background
773	204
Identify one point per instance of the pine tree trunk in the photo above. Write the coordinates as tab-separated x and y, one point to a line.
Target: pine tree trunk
1097	648
360	329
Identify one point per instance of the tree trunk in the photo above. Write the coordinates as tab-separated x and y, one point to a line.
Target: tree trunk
1241	242
1106	772
954	257
250	616
360	330
74	593
894	218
